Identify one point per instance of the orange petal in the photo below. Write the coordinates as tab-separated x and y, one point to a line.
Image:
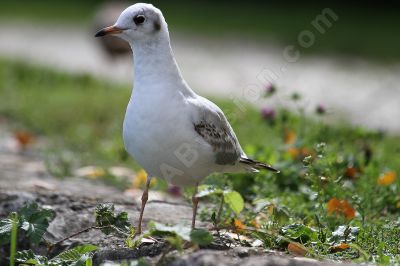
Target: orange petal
333	205
348	211
387	178
239	225
290	137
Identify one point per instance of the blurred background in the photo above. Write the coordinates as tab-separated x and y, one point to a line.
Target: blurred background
226	47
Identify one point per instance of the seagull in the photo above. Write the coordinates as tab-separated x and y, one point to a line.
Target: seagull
171	131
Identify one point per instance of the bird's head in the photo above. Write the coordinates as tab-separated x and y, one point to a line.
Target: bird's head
137	22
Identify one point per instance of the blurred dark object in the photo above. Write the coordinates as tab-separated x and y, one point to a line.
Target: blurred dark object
320	109
368	153
174	191
106	15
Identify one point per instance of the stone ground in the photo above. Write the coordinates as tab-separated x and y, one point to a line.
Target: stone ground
24	178
363	92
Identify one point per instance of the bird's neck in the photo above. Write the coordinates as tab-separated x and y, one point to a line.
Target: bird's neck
154	63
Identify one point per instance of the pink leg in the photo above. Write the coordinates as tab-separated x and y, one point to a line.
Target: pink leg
195	201
145	197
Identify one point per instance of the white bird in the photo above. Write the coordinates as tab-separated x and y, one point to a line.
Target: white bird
171	131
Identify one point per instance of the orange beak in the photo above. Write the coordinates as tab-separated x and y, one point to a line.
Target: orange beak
108	31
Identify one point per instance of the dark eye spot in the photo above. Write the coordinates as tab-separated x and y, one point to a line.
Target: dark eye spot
139	19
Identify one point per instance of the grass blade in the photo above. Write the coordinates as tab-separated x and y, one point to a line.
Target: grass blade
13	242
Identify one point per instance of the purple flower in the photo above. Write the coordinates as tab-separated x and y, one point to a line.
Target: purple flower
270	89
320	109
268	113
174	191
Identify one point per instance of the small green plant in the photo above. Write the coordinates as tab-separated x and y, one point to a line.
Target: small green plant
108	221
32	221
221	195
178	234
78	256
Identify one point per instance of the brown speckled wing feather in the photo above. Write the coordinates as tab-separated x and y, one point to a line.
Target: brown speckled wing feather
221	137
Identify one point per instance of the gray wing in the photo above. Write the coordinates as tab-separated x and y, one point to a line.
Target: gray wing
212	125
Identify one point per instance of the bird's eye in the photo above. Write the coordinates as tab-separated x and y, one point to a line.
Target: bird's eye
139	19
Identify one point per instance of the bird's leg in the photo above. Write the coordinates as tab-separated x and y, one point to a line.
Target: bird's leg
195	201
145	197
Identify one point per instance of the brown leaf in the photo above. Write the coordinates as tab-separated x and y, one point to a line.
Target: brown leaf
341	207
255	224
23	138
340	247
352	172
296	249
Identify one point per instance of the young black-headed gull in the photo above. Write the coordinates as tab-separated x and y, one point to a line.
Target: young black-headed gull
171	131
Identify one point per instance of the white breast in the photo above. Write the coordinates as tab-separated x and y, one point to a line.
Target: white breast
164	142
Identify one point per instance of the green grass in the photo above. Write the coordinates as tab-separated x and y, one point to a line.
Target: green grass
13	238
82	115
89	113
360	31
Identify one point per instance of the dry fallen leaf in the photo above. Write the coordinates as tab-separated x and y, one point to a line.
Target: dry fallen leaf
236	236
352	172
341	207
257	243
296	249
340	247
23	138
40	184
255	224
387	178
119	171
91	172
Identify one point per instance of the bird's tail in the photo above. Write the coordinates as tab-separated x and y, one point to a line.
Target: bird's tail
254	165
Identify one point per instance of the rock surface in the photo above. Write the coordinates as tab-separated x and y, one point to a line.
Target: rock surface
73	213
